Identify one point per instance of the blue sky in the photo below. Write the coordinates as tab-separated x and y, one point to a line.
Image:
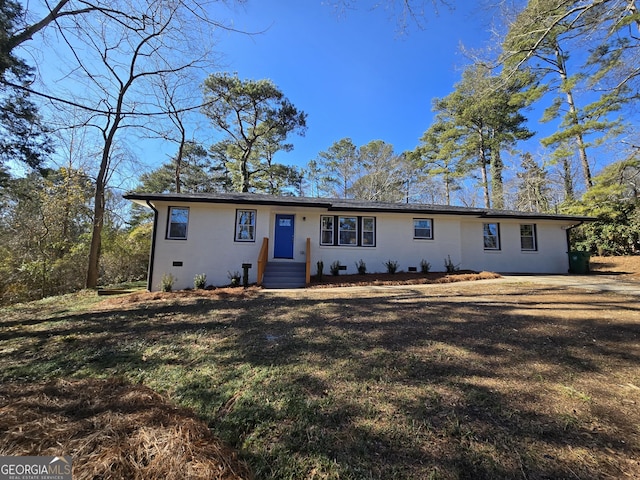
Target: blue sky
354	73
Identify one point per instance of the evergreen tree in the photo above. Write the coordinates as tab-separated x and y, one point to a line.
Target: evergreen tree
543	38
483	116
256	118
23	137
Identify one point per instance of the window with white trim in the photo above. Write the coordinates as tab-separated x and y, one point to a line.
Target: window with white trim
245	226
423	228
528	240
368	231
347	230
351	231
491	236
326	230
177	223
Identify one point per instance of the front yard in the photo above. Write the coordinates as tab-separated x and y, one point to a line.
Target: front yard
472	380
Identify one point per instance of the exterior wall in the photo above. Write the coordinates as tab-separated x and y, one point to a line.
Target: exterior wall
210	247
550	257
394	241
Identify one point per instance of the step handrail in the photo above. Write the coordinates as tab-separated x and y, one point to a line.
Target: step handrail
308	263
263	256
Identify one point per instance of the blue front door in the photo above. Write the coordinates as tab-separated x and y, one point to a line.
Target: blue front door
283	241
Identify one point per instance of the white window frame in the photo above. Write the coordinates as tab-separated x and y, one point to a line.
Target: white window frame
416	228
331	219
533	236
353	232
171	222
489	235
245	227
371	231
364	236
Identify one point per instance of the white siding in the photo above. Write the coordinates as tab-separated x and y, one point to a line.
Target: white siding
550	257
210	247
395	242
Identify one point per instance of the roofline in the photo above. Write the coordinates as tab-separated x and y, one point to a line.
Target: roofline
335	205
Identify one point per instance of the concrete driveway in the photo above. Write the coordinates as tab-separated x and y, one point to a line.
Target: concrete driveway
595	282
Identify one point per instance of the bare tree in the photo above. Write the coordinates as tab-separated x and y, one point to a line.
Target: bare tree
111	59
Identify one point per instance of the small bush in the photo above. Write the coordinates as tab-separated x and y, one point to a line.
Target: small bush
335	268
449	266
234	278
320	267
392	266
200	281
362	267
425	267
167	281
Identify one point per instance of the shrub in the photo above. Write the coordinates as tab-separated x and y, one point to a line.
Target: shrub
167	281
200	281
335	268
392	266
425	267
320	267
234	278
449	266
362	267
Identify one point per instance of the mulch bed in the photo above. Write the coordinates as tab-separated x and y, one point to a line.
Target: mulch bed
400	278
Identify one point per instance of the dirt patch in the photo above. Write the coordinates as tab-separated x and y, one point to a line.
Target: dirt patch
112	430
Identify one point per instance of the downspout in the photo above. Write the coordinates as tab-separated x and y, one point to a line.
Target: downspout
568	229
152	255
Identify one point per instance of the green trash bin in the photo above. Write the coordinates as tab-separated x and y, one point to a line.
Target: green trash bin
579	262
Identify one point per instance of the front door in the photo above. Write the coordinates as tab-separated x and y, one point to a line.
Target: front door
283	241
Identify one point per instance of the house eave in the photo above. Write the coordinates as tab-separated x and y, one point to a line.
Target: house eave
348	205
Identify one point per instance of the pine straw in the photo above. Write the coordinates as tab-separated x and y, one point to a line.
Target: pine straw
112	430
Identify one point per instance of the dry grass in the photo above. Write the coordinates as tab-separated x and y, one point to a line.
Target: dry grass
446	381
112	430
627	267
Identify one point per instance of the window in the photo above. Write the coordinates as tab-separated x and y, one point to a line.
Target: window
528	237
491	234
326	234
245	225
348	231
423	228
368	231
178	221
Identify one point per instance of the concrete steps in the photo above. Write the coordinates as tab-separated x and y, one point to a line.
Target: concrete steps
284	275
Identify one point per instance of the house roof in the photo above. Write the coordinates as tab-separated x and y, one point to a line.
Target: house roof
346	205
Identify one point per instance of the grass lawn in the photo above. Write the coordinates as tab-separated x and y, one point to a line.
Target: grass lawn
475	380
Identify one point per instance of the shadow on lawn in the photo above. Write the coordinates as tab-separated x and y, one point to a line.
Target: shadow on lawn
397	386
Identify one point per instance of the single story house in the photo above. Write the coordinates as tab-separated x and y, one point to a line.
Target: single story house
216	234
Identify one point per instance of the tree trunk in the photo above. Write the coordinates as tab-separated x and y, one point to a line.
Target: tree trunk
485	179
497	186
574	119
93	271
179	164
568	181
582	149
447	189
